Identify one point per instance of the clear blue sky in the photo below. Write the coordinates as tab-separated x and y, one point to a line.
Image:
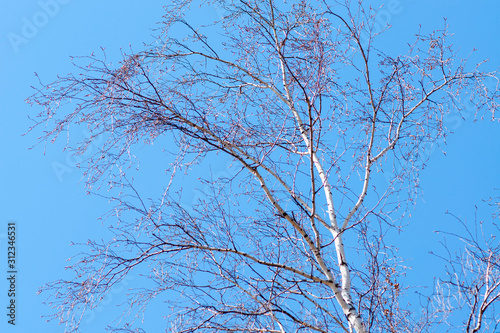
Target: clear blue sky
52	210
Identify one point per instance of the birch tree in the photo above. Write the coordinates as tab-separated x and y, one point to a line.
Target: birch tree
312	113
471	285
